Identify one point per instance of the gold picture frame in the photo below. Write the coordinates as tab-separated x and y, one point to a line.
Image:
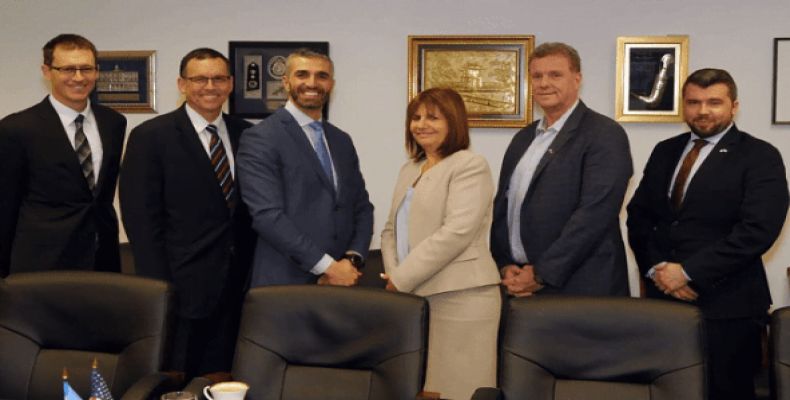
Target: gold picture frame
650	76
490	72
126	81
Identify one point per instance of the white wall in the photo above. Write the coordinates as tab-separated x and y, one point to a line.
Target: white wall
368	42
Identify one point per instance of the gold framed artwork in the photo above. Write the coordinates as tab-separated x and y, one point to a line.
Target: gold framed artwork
650	75
490	72
126	81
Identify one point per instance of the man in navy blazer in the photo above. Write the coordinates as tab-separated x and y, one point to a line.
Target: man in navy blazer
184	216
699	234
556	226
301	180
56	208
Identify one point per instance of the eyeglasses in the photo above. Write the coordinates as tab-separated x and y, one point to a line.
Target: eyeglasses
70	71
203	80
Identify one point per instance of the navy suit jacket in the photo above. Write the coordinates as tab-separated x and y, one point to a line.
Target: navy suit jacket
570	225
296	211
176	217
49	217
733	211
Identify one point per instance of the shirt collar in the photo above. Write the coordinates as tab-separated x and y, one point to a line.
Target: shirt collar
199	122
557	126
714	139
67	114
301	118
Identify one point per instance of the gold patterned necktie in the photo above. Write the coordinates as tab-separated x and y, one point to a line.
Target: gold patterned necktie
680	182
221	166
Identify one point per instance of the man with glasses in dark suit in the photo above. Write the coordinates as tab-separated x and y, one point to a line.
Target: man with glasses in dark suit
182	211
59	169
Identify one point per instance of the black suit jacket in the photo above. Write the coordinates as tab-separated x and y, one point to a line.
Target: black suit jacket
733	211
175	215
49	217
570	225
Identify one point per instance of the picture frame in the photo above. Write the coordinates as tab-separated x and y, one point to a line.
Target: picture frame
780	107
257	68
650	76
491	73
126	81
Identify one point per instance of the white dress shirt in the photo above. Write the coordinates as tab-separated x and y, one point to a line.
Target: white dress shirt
204	135
67	116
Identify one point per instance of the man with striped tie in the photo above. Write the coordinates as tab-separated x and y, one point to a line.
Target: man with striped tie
180	204
58	169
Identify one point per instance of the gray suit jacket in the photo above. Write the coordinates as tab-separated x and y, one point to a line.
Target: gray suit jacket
298	214
570	216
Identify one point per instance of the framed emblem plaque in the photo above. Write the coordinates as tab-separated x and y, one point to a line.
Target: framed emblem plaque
257	69
126	81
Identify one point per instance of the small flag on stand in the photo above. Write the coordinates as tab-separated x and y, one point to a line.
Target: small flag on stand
68	392
99	389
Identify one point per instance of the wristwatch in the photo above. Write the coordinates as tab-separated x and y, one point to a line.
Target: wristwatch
356	259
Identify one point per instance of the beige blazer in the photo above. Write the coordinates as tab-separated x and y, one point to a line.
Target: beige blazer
449	224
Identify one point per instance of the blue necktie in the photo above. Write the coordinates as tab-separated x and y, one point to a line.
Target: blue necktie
321	151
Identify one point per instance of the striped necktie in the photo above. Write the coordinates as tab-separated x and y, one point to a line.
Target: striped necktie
83	149
221	166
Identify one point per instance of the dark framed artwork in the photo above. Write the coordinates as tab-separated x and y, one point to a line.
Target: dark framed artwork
781	87
490	72
126	81
258	68
650	75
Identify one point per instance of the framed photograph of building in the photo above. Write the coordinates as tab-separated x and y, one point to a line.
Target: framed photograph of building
781	98
126	81
490	73
257	69
650	75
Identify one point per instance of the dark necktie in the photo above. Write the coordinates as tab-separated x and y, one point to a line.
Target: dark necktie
83	149
680	182
321	151
221	166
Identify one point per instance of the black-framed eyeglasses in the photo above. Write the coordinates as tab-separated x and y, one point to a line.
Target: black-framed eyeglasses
71	71
203	80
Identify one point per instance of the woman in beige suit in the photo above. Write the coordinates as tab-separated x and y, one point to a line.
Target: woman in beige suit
435	244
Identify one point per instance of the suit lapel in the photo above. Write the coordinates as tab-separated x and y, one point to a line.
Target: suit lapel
192	145
709	167
673	159
559	141
300	139
60	145
107	145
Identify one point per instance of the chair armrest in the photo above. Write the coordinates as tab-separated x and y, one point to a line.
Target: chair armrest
487	394
196	386
150	386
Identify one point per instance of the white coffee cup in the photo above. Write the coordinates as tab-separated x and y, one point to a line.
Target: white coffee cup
226	391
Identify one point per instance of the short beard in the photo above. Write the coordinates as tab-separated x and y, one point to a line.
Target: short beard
295	96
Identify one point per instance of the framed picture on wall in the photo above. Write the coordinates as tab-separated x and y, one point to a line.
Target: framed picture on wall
781	97
490	73
258	68
650	75
126	81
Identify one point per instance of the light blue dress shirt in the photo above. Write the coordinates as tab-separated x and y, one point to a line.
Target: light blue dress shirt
402	225
522	177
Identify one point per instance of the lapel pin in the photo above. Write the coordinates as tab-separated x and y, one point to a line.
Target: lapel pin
722	150
551	151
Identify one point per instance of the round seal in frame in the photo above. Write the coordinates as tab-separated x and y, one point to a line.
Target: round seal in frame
277	67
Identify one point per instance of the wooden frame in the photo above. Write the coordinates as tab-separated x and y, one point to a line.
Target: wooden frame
490	72
780	108
258	68
126	81
650	76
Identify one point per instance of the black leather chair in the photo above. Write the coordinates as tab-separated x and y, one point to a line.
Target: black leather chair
52	320
327	343
591	348
780	350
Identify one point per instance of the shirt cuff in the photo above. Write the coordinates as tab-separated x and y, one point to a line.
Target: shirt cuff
652	272
322	265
